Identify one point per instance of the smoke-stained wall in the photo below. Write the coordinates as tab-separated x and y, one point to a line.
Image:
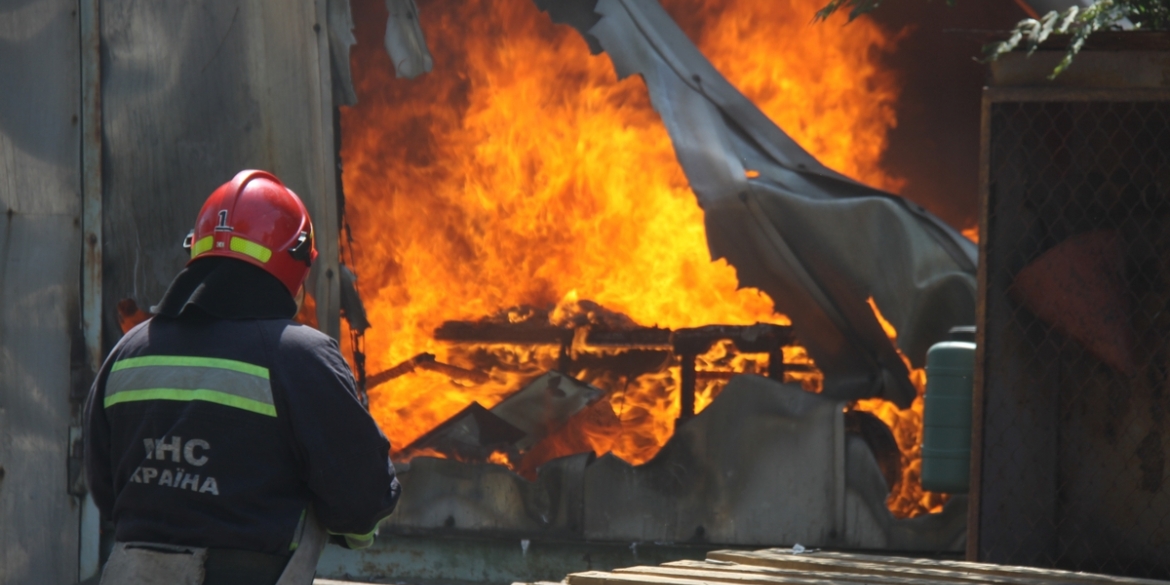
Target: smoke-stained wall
192	94
40	261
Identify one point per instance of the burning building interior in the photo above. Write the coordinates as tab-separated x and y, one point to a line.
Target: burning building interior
605	297
615	276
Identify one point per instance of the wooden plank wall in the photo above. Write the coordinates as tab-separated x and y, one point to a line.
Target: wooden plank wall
40	256
1019	403
782	567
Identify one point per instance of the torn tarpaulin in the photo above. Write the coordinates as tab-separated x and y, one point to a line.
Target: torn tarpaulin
404	40
817	242
340	19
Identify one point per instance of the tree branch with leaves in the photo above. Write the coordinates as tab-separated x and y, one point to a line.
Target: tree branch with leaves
1076	21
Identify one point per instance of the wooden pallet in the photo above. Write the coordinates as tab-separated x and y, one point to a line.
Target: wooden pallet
784	567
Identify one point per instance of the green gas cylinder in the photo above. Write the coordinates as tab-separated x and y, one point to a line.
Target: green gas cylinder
946	436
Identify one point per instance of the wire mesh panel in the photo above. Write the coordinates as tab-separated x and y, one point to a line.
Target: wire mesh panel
1076	337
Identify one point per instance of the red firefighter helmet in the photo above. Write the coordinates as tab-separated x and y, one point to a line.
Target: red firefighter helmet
255	218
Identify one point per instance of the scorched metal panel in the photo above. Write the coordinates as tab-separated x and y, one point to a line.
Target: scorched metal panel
194	92
40	251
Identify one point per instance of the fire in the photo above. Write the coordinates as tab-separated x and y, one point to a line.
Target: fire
822	83
522	173
972	233
907	498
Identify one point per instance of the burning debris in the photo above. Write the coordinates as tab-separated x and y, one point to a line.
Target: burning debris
777	214
426	361
545	405
511	427
555	415
534	178
766	462
539	421
467	191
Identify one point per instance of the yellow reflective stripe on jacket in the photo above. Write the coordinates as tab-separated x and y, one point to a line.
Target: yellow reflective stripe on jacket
184	378
204	244
358	541
184	395
250	248
296	541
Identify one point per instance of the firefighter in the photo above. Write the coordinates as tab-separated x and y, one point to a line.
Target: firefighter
221	436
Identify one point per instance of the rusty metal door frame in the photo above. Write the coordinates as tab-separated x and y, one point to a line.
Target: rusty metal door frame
327	290
91	266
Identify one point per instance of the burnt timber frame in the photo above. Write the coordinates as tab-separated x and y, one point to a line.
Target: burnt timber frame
686	343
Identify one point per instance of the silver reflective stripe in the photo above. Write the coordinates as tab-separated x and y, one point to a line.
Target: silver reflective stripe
182	378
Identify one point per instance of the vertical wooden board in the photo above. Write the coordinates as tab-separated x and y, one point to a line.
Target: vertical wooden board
980	375
39	266
327	288
193	93
1018	450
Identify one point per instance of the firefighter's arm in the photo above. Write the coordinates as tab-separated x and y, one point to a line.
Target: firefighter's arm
345	454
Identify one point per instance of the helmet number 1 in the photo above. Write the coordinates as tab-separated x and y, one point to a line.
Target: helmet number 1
223	226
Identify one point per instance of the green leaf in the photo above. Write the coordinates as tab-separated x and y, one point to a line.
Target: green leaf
1078	22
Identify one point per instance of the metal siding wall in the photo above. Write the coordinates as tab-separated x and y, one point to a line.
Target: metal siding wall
40	255
193	92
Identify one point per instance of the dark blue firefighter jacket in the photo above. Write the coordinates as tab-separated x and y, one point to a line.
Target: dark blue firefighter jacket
220	432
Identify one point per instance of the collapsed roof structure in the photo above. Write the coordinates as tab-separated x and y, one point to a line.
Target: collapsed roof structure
817	242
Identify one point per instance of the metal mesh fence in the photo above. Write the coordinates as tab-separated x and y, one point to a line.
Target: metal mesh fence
1076	393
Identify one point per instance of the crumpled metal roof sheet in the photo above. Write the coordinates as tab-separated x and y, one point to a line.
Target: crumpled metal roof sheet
819	243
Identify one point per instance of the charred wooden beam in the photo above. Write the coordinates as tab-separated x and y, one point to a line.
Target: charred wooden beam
454	372
687	343
477	332
522	334
776	365
715	374
729	374
691	342
646	337
758	338
426	361
401	369
686	388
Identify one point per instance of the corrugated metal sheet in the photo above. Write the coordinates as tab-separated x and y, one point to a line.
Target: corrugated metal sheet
192	93
40	255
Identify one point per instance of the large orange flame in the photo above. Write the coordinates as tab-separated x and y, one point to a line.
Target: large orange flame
907	498
521	172
824	83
